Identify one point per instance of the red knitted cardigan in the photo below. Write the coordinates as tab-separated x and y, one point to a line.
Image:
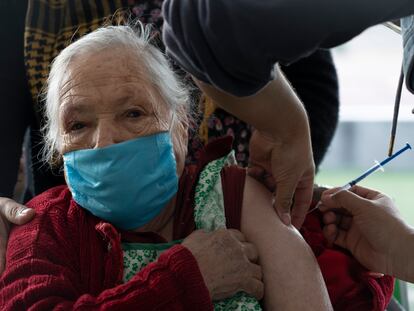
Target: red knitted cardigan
66	259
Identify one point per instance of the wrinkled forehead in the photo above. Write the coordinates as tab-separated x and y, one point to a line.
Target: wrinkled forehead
106	67
113	76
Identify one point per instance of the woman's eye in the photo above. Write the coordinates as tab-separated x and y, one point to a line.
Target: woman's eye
133	114
76	126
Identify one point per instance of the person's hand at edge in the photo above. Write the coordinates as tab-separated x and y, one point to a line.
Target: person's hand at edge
367	223
11	212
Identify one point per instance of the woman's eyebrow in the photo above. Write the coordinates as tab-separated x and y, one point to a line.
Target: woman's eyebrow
127	98
71	108
134	92
136	100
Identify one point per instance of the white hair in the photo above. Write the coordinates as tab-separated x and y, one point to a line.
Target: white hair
132	39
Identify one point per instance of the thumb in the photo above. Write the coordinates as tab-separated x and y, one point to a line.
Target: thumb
341	239
283	201
24	215
14	212
349	201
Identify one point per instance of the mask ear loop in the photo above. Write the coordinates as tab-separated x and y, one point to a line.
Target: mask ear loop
396	112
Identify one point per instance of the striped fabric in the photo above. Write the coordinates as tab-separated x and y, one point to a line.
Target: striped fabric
51	25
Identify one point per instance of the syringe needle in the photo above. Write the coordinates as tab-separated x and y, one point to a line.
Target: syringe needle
368	172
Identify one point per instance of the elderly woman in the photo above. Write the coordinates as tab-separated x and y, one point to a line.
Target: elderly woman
111	238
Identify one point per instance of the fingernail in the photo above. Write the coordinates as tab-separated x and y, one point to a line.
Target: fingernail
333	196
24	212
286	219
376	275
315	207
340	190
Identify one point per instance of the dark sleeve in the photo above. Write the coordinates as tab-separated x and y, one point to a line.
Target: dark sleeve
234	44
15	100
315	81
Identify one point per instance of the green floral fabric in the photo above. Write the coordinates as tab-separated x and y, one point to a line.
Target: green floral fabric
208	215
138	255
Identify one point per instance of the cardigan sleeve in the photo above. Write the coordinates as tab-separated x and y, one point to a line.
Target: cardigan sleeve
43	272
234	45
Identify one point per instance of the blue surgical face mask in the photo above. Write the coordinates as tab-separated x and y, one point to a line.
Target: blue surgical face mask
127	184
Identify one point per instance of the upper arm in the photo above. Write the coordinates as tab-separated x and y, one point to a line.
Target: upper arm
289	266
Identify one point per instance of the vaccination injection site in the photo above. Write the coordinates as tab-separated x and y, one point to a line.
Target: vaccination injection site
207	155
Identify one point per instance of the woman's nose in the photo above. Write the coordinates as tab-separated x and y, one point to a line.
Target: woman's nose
106	134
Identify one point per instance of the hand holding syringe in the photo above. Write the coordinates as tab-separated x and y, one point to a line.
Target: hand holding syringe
369	172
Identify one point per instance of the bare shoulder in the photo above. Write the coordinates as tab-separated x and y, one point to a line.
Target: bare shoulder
253	191
257	211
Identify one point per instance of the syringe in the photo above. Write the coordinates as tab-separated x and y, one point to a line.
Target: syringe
369	171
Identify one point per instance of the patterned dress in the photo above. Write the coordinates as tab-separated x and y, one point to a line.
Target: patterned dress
209	214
